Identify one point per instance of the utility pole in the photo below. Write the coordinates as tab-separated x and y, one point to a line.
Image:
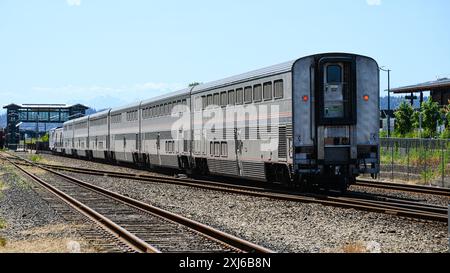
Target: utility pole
389	99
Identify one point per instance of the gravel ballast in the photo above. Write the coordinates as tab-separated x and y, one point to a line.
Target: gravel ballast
285	226
280	225
33	220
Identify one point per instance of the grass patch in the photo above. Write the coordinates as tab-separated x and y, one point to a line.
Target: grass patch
13	177
36	158
428	163
2	223
2	242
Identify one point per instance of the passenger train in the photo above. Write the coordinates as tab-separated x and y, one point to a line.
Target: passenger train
313	120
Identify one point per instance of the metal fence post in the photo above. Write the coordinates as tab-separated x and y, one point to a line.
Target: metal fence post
407	159
392	161
443	162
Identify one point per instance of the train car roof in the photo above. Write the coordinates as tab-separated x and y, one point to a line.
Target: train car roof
126	107
100	114
248	76
179	93
76	120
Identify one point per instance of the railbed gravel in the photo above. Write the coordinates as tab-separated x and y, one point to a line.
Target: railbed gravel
417	197
285	226
32	215
282	225
80	163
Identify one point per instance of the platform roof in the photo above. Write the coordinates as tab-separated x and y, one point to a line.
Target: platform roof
440	84
43	106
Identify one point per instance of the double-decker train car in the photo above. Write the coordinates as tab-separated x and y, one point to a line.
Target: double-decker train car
56	140
310	120
99	136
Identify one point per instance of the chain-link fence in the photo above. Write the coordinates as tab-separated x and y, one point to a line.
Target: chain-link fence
418	161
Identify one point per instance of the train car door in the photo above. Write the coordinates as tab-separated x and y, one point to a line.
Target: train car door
238	149
158	147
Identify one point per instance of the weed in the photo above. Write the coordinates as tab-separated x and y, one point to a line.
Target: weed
36	158
2	242
2	223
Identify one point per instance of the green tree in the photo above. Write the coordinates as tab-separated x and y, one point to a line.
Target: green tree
194	84
446	114
431	117
44	138
404	119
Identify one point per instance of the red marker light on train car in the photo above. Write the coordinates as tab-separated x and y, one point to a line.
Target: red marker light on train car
305	98
366	98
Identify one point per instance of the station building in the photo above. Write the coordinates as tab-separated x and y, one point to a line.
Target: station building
439	91
36	118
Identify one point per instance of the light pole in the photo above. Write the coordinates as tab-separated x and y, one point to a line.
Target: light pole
389	99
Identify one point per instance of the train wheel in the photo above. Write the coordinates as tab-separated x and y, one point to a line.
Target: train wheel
344	184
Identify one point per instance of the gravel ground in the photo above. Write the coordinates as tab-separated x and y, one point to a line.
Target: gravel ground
419	197
30	223
287	226
73	162
280	225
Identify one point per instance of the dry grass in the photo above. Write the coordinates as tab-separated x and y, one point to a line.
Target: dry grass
2	223
356	247
44	245
43	241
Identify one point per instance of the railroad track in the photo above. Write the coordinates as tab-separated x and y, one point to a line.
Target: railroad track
144	228
397	207
404	187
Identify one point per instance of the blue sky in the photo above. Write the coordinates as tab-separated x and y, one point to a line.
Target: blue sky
106	53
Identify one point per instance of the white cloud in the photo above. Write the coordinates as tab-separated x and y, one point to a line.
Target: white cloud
73	2
373	2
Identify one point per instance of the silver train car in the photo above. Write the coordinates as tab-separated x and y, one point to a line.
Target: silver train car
314	120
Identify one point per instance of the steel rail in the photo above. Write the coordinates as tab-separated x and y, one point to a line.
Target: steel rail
404	187
125	236
419	211
207	231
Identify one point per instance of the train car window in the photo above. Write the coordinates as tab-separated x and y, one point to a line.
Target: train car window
267	93
184	102
223	99
170	108
279	88
231	97
185	145
239	96
257	93
217	149
216	99
334	74
211	148
204	102
334	97
248	94
210	100
224	149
